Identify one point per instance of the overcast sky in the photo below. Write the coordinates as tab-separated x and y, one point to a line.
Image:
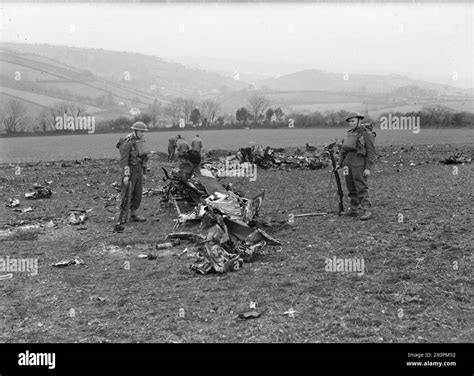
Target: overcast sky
431	41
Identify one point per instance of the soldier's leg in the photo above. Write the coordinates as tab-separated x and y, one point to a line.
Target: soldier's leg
352	189
362	191
137	192
137	187
124	202
124	206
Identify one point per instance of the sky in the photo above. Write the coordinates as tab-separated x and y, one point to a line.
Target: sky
429	41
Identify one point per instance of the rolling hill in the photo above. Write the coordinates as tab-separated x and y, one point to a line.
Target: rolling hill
111	84
106	83
316	80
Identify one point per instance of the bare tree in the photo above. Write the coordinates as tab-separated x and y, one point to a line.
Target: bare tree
59	110
258	104
77	109
155	111
44	120
188	107
13	116
175	110
209	110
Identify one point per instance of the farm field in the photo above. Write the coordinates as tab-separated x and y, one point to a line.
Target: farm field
378	109
415	286
51	148
40	99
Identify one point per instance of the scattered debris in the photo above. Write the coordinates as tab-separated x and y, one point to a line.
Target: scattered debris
175	242
315	214
13	203
30	227
50	224
149	256
75	261
249	315
99	299
291	312
40	192
116	185
77	220
76	164
310	147
81	210
189	236
456	158
26	210
268	157
152	192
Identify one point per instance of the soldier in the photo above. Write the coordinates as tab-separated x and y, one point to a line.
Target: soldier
172	147
196	145
181	148
133	160
357	158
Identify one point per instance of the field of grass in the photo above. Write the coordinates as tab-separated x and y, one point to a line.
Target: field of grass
51	148
40	99
415	286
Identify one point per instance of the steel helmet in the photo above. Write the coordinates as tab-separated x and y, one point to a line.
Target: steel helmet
139	126
354	115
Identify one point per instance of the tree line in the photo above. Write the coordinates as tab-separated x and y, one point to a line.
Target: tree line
182	112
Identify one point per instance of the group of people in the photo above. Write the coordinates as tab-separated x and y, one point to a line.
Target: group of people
356	160
178	146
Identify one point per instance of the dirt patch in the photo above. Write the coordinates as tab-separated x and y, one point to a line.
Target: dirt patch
415	286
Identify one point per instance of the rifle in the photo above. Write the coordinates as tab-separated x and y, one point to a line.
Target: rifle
330	150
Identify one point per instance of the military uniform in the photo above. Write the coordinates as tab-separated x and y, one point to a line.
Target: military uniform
133	162
182	147
358	155
171	148
196	145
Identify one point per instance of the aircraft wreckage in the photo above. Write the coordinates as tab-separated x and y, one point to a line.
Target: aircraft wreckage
232	236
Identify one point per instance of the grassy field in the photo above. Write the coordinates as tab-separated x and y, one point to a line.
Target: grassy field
53	148
415	287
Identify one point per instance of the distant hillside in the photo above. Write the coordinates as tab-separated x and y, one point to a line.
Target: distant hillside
104	83
149	74
316	80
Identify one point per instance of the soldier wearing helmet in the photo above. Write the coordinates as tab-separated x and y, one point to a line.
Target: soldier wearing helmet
357	158
133	160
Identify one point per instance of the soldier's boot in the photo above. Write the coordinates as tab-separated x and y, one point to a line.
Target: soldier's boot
119	227
366	214
121	220
351	212
136	218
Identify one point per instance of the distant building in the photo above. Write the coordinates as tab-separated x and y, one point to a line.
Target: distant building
134	111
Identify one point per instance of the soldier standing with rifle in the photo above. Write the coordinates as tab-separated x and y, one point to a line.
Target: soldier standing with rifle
133	159
356	159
